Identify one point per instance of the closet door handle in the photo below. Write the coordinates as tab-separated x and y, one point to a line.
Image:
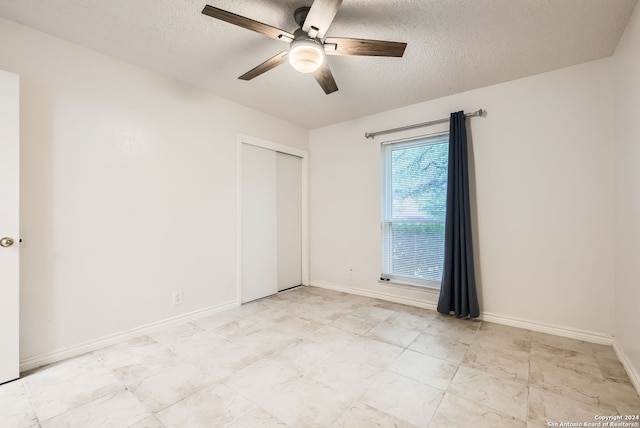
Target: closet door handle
6	242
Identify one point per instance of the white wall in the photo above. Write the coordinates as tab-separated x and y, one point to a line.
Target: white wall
543	178
627	195
128	188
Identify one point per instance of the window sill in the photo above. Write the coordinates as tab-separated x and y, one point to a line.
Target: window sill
427	286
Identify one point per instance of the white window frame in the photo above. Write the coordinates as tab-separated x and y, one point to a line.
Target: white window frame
386	208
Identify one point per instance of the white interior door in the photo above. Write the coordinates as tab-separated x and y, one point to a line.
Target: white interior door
289	212
9	227
259	223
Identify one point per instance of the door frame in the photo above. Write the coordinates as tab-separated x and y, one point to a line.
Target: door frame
304	182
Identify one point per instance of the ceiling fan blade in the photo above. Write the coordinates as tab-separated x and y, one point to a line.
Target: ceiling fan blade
346	46
324	77
320	16
249	24
272	62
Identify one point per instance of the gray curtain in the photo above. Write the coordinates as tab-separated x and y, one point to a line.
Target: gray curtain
458	290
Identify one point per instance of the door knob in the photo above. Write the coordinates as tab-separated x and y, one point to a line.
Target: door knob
6	242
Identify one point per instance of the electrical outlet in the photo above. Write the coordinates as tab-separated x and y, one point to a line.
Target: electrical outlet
176	297
350	270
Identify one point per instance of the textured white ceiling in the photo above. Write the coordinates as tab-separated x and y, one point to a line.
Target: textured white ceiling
453	46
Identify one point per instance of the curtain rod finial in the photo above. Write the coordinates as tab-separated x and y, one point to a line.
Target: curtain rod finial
367	135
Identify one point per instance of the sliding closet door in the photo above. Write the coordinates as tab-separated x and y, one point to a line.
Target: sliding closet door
259	223
289	212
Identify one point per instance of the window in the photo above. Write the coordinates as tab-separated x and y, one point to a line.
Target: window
413	210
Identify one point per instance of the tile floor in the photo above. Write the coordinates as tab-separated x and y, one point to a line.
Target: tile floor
317	358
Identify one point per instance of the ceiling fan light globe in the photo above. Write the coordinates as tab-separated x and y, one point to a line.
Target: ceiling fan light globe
306	56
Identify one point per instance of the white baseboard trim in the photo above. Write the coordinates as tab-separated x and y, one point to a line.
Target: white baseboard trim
626	363
36	361
374	294
569	332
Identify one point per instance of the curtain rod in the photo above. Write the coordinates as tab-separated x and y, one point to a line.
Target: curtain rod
418	125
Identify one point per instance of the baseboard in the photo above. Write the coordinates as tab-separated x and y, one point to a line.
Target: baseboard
36	361
375	295
626	363
571	333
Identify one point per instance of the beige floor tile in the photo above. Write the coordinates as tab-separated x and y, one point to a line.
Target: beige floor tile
137	350
304	402
392	306
269	317
258	418
360	415
115	410
500	337
318	291
354	301
242	351
506	396
486	326
370	351
178	332
193	347
212	322
333	338
425	369
411	321
439	346
169	386
355	324
456	412
581	362
398	307
318	309
238	328
500	362
219	366
451	328
248	309
613	370
302	355
137	359
562	342
368	311
603	351
69	384
404	398
547	407
214	406
15	407
625	397
259	380
393	334
589	388
150	422
295	326
341	372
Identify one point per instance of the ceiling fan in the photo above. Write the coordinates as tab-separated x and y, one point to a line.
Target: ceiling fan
308	45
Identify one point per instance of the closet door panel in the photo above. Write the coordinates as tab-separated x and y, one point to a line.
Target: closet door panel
289	213
259	223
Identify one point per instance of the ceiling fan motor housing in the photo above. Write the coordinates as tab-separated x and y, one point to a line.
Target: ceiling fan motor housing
300	15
